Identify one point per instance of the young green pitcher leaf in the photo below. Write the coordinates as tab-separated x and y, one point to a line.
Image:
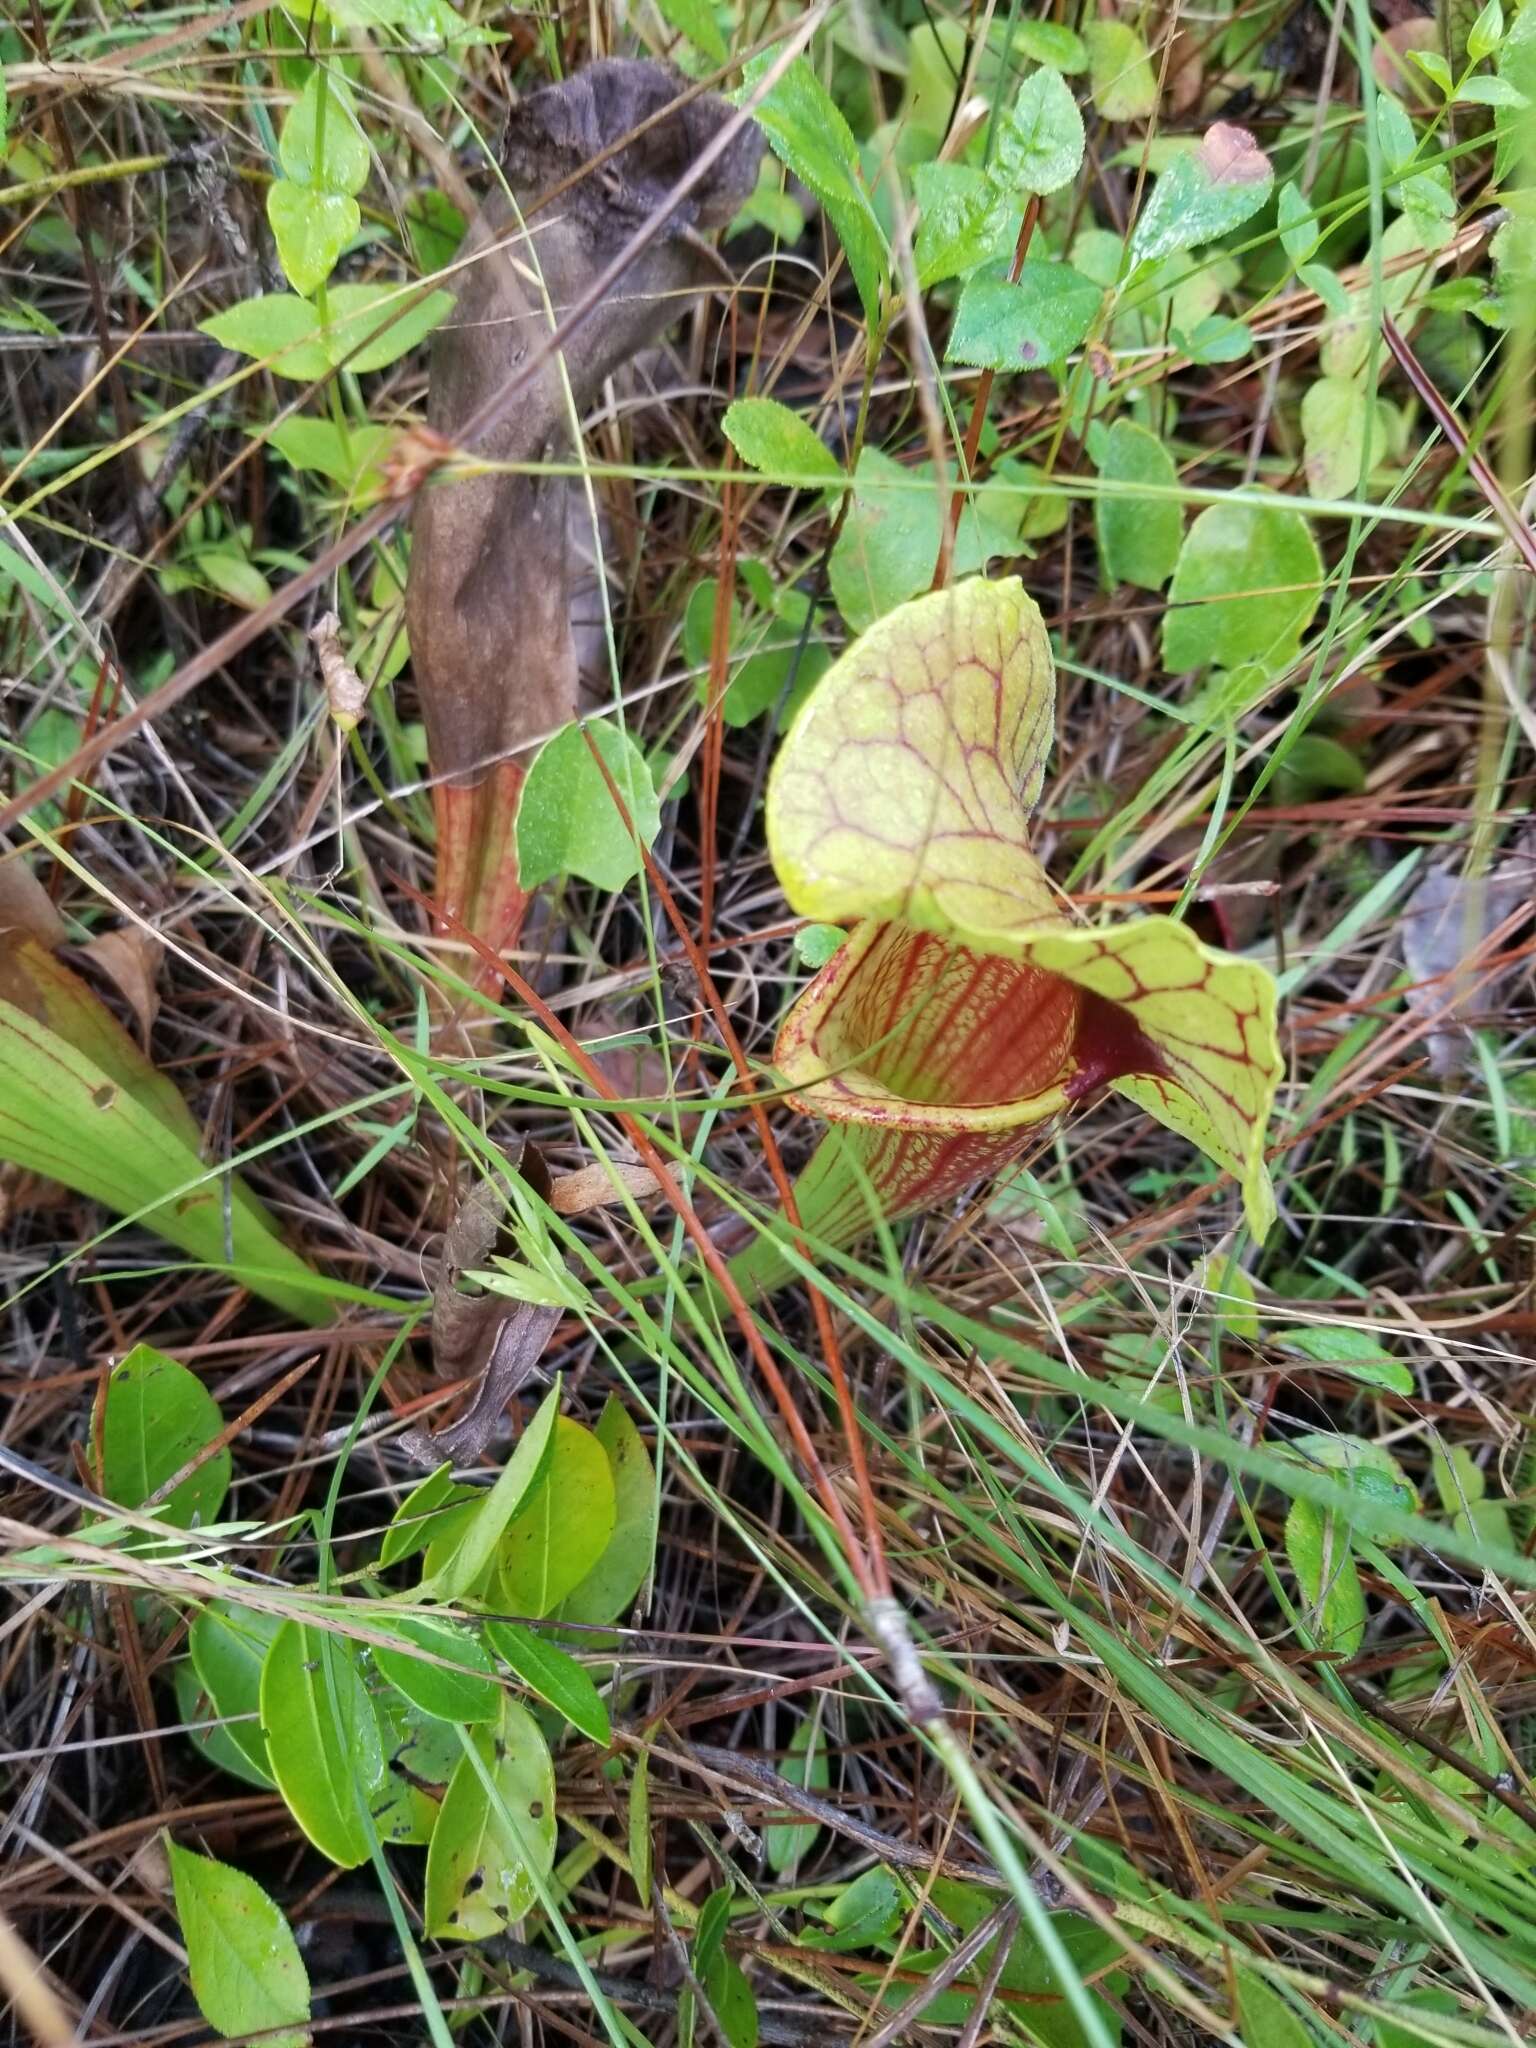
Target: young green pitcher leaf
156	1417
1203	194
1317	1545
80	1103
495	1835
785	1843
562	1528
322	1739
247	1974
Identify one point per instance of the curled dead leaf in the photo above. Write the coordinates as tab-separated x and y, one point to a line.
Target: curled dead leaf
345	689
478	1335
26	909
130	959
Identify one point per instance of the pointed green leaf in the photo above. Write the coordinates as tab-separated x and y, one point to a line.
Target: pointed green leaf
556	1677
311	229
425	1514
779	443
157	1416
322	144
809	134
246	1970
610	1588
1024	326
215	1742
465	1692
1203	194
1039	144
229	1645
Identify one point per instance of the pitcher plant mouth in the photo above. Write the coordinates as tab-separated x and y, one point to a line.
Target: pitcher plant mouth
966	1005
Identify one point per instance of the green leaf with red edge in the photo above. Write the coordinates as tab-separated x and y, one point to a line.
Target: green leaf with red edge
1204	193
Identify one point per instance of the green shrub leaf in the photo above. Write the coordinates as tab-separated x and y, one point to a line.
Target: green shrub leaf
246	1970
157	1416
1203	194
562	1528
1138	537
567	820
489	1851
556	1677
1248	581
322	144
809	134
1023	326
327	1758
467	1692
779	443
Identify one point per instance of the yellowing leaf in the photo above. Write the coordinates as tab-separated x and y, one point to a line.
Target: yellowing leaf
495	1836
1121	77
904	783
561	1531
